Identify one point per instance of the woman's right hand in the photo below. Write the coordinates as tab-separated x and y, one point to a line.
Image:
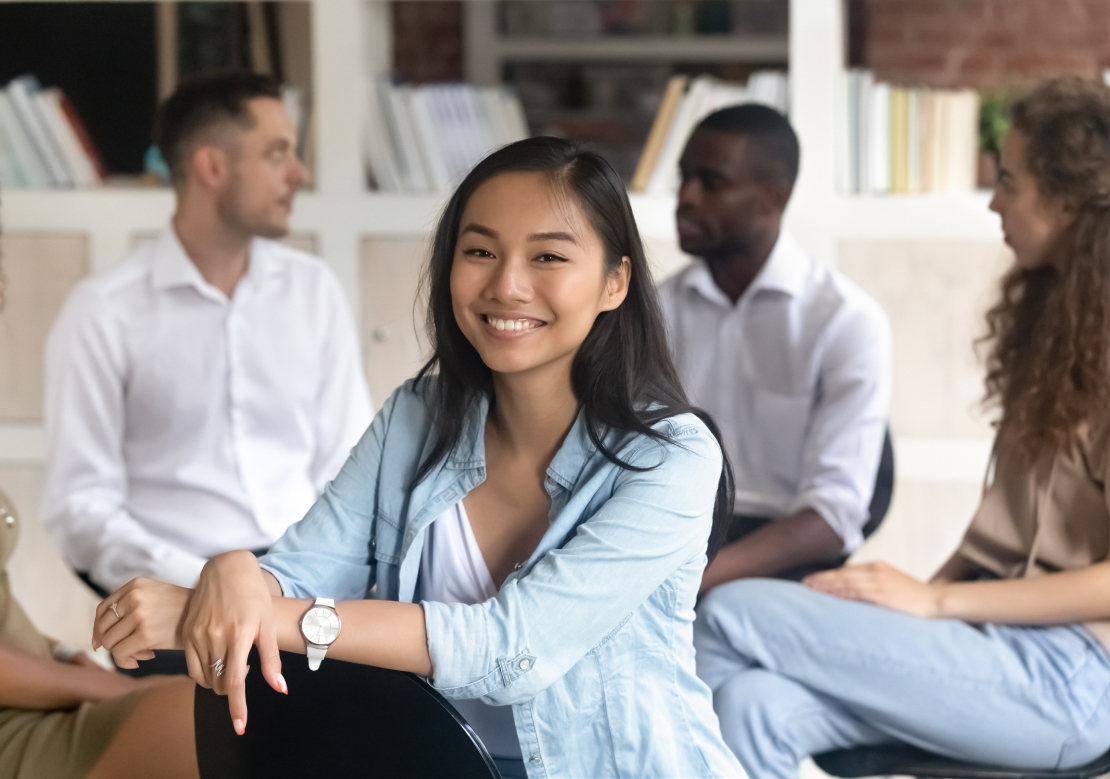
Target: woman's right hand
231	609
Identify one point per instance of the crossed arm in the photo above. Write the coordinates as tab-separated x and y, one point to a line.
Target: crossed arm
241	605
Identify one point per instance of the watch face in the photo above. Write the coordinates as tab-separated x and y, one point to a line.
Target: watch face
320	625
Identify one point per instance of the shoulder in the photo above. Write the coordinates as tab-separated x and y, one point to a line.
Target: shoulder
831	289
98	298
405	419
841	310
686	441
131	275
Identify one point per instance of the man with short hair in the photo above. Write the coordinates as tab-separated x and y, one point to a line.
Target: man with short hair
791	358
199	396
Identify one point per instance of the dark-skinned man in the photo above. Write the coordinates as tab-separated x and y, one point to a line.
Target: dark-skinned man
791	358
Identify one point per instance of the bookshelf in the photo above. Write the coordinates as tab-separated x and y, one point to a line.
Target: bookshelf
351	46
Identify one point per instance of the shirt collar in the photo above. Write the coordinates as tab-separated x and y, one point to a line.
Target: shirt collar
174	268
785	271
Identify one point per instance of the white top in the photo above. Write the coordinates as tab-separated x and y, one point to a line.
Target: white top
181	424
452	570
797	374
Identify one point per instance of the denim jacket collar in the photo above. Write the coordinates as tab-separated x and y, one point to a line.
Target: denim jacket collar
565	467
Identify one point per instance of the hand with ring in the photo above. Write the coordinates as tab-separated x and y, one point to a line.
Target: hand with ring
231	610
141	616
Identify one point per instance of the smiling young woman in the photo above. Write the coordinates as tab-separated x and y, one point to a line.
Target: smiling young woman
1002	657
539	503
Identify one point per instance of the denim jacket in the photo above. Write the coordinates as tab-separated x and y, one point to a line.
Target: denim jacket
590	640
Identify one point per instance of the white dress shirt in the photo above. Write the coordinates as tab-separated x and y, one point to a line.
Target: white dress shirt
797	374
181	423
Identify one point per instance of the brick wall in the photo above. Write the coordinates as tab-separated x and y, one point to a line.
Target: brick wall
428	40
979	43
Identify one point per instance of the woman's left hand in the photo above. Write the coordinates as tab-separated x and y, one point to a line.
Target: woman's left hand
139	617
881	584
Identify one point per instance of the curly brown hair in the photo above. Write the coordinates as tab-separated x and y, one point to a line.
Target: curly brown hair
1049	334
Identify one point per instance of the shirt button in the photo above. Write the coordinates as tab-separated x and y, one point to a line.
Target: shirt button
535	759
9	520
525	664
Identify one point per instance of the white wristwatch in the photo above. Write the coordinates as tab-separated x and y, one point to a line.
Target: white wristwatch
320	627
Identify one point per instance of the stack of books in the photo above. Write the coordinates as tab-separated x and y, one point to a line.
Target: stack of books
43	142
685	103
427	138
905	141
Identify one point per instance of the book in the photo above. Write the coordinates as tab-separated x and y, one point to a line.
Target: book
428	137
663	118
21	92
878	136
82	168
900	140
406	152
657	169
29	167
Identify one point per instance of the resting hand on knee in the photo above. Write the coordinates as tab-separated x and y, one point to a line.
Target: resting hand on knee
881	584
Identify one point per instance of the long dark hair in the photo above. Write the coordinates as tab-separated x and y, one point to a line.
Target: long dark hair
1049	364
622	374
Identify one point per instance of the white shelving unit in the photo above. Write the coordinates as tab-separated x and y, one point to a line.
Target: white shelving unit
352	45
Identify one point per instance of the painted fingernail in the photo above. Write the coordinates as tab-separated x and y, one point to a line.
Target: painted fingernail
284	686
240	727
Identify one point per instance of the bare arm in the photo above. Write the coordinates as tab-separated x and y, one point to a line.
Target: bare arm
786	543
31	682
375	632
382	633
1066	597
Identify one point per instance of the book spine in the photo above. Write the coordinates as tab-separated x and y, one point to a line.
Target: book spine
29	165
21	91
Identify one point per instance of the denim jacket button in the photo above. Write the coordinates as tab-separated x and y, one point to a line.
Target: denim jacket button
525	664
535	759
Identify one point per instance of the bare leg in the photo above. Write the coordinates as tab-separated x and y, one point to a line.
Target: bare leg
156	741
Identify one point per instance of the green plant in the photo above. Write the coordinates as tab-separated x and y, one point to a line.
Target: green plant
994	119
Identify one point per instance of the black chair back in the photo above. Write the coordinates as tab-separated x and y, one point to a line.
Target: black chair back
342	720
884	487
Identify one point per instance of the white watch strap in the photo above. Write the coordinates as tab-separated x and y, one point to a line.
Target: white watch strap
315	654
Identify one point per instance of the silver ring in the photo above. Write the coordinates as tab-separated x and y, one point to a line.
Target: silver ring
218	666
113	608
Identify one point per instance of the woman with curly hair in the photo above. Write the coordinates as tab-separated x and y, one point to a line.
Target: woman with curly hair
1002	656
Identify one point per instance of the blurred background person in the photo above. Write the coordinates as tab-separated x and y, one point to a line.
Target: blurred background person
791	358
200	396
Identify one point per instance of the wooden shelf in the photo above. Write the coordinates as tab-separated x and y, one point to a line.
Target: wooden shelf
689	48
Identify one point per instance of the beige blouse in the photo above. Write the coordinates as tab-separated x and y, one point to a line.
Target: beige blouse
1052	517
16	628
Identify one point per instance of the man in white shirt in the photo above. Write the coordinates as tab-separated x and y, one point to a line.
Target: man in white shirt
199	396
791	358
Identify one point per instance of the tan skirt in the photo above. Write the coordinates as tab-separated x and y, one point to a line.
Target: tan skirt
59	744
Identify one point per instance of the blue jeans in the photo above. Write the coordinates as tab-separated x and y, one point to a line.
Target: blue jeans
795	672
